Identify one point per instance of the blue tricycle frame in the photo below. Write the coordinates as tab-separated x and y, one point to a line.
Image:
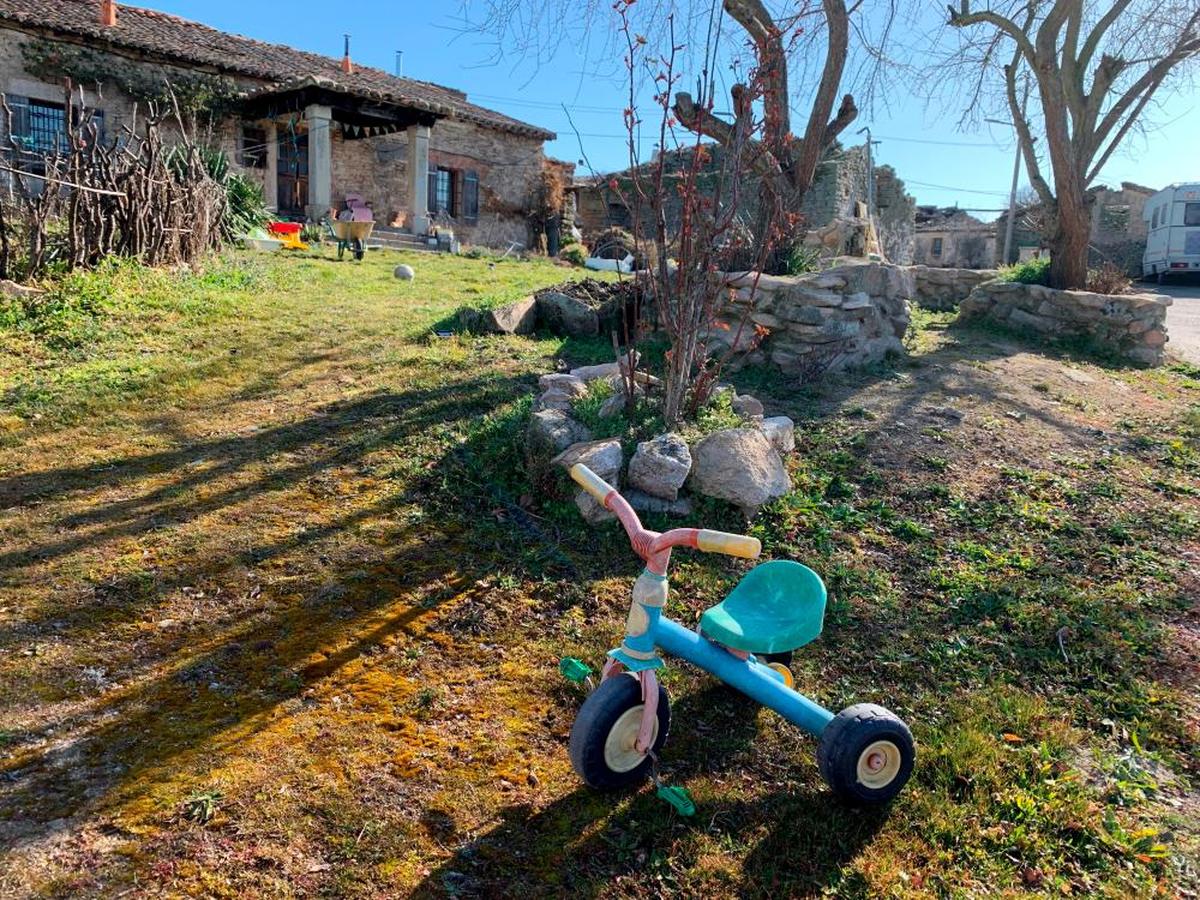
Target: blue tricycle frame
866	753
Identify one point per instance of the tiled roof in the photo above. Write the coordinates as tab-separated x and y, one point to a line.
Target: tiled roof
179	40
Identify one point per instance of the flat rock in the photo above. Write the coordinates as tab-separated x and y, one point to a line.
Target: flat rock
561	381
553	399
604	370
781	432
741	466
12	289
644	503
660	466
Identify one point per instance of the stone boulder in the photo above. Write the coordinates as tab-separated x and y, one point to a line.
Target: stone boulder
567	315
741	466
602	457
550	432
661	466
553	399
644	503
781	432
747	406
560	381
518	317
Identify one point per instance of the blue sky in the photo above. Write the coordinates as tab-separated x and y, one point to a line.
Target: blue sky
939	164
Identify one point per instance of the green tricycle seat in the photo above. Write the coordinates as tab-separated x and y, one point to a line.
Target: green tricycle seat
777	607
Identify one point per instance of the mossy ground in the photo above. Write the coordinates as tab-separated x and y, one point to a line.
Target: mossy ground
268	560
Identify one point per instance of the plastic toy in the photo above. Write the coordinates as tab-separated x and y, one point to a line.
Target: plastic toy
866	753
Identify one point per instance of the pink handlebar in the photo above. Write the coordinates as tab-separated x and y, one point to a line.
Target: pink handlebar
651	546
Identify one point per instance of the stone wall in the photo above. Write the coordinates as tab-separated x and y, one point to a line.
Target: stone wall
1131	325
943	289
842	317
895	210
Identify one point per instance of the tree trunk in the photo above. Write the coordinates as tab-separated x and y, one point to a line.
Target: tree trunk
1069	247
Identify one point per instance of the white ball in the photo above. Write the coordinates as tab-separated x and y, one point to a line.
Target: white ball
404	273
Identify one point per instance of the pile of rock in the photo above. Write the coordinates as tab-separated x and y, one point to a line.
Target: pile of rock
846	316
742	465
1129	325
574	308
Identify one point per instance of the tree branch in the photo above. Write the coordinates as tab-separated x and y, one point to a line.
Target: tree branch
1024	135
964	17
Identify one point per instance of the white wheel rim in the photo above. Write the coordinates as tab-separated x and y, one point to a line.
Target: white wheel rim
620	754
878	765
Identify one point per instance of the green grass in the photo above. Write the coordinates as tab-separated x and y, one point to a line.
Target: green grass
280	613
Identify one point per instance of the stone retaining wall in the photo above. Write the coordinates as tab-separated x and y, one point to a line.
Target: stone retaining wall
842	317
1131	325
943	289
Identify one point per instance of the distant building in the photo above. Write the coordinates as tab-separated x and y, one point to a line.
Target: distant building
1118	229
951	238
839	183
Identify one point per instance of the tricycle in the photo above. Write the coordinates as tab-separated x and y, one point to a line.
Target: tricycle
866	753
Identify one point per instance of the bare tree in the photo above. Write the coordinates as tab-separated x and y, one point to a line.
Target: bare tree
1096	67
786	161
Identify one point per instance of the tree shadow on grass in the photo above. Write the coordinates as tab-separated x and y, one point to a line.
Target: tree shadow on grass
339	435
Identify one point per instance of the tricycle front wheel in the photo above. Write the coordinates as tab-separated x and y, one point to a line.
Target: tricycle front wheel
866	754
603	736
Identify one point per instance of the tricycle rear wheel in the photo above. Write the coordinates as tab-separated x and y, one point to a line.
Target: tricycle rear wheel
866	754
602	738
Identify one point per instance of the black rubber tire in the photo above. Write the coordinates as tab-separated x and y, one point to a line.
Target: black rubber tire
360	249
603	707
844	740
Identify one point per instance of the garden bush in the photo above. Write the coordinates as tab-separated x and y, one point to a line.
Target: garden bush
1033	271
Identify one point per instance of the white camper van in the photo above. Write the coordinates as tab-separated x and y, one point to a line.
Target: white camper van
1173	238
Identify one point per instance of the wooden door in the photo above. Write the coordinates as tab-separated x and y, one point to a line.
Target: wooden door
292	174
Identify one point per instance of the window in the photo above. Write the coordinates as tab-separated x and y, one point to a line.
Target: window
252	150
937	247
1191	214
38	126
470	201
441	191
1154	219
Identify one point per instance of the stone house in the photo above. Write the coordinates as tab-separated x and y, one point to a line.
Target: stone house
952	238
310	128
839	184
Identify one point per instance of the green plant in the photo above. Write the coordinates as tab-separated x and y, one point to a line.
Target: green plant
800	259
575	254
245	206
1032	271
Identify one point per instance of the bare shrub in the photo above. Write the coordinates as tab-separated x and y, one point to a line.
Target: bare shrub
1109	279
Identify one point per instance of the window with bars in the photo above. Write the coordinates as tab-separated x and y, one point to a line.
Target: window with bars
937	247
40	126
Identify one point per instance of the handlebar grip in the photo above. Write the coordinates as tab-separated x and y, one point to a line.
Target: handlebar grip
731	544
591	482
